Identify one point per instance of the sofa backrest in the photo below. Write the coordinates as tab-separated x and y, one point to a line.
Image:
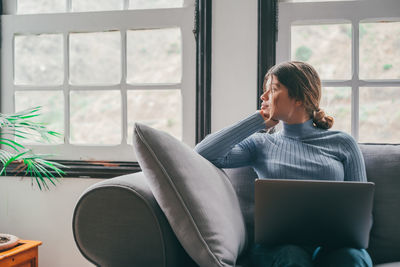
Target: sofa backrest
383	168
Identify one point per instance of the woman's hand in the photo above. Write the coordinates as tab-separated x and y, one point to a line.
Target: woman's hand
267	112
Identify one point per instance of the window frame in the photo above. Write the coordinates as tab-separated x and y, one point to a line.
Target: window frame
352	12
266	43
202	99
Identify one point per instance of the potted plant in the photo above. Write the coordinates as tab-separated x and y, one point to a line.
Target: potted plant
20	125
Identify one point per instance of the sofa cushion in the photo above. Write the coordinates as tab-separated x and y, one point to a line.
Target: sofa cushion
196	197
242	180
383	168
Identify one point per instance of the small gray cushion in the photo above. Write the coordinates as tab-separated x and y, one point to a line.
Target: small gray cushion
196	197
383	168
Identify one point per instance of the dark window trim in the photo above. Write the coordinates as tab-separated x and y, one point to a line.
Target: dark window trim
86	169
267	37
202	33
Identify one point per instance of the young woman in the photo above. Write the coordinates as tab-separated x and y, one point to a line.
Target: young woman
303	149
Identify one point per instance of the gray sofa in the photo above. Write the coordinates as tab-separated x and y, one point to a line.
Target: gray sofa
118	222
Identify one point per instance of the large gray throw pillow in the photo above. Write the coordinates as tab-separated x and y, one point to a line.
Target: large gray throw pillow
196	197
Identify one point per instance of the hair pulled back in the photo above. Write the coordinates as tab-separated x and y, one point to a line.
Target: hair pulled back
304	85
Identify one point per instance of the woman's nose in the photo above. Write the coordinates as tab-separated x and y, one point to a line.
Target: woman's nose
264	96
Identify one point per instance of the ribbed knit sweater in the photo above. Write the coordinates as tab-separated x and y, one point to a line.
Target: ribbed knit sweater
298	151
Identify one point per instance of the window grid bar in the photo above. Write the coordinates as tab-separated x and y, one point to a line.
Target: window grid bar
14	6
330	83
69	5
126	5
13	67
355	81
38	88
99	21
153	86
160	86
124	95
362	83
380	83
66	90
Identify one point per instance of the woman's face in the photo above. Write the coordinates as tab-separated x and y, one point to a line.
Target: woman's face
277	102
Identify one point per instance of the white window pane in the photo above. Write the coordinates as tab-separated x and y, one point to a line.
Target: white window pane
145	4
380	50
38	59
96	5
379	115
161	109
40	6
95	58
336	102
326	47
52	111
154	56
95	117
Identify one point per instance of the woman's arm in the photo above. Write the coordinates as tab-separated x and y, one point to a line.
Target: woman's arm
232	146
353	161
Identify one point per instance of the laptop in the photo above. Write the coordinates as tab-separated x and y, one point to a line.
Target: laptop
313	212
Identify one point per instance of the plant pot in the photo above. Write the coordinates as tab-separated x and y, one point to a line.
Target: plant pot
8	241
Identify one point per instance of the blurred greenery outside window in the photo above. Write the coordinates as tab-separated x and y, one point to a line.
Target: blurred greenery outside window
360	70
94	82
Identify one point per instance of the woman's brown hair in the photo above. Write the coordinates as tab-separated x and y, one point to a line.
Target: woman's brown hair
304	85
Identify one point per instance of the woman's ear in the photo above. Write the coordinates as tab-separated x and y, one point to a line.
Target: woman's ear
298	103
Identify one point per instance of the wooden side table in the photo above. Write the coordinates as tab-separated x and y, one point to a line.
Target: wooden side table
25	254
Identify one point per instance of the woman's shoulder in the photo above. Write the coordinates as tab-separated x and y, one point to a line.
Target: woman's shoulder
340	137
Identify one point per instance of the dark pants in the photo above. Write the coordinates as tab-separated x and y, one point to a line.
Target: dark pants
296	256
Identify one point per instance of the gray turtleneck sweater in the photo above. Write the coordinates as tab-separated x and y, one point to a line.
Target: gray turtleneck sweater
299	151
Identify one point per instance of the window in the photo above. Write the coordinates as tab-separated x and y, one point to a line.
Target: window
97	67
354	46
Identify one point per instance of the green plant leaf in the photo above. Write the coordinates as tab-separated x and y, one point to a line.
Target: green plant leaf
6	141
20	125
31	171
11	159
7	144
53	165
4	157
38	175
45	172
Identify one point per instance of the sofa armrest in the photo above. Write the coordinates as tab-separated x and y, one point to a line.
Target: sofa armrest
118	222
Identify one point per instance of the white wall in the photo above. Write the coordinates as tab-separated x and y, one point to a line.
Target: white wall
31	214
47	216
234	61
